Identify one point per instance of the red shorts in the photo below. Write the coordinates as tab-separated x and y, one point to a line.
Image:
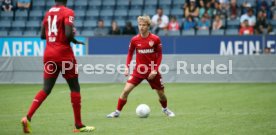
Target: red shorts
156	83
67	68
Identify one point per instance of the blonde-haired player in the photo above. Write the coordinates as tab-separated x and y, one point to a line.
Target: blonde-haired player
148	49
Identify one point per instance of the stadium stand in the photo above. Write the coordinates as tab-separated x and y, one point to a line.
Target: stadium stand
88	12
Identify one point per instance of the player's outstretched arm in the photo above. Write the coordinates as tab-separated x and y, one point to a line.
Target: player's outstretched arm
69	33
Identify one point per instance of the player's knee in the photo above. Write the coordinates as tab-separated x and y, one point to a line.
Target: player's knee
47	90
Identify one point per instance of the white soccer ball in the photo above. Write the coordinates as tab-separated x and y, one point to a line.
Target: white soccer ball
143	111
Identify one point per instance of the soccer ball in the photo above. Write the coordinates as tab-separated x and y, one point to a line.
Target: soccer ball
143	111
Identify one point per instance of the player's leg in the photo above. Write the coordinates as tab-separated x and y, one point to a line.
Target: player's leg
38	99
71	77
130	85
157	85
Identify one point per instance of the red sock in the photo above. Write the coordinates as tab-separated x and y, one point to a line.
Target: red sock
39	98
163	103
121	103
76	104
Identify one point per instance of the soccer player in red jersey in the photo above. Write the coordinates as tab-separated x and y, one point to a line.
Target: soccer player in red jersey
148	58
57	29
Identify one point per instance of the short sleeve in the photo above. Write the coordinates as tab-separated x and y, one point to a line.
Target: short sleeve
69	18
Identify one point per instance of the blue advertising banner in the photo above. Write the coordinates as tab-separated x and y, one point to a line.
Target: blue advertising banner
32	47
223	45
270	42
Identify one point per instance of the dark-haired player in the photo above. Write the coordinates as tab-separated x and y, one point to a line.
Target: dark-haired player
148	58
57	29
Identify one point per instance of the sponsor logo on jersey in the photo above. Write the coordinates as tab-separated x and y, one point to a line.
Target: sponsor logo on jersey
71	19
151	43
146	51
54	9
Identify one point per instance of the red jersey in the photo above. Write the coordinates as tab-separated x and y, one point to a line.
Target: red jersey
246	31
148	52
58	47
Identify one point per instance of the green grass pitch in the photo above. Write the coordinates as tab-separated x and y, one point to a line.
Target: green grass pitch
201	109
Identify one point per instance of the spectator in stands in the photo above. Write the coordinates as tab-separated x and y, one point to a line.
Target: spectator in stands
205	8
129	29
262	26
245	7
263	5
159	21
173	24
217	23
273	9
246	29
189	23
100	30
224	3
219	10
115	29
250	17
192	10
7	5
23	4
233	11
204	23
267	50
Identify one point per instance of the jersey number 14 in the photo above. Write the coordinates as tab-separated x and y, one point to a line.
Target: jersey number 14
52	28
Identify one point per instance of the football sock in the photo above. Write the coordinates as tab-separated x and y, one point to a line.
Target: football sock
163	103
121	103
39	98
76	104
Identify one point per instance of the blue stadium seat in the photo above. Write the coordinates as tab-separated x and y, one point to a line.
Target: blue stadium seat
232	32
167	11
21	15
174	33
107	23
179	2
89	24
151	4
149	11
273	23
3	33
81	5
78	24
36	15
217	32
134	13
188	32
202	32
16	33
106	14
136	4
177	12
87	33
94	4
38	4
30	33
162	33
134	22
7	16
70	4
49	4
233	24
18	25
80	14
33	25
123	4
5	25
92	14
108	4
165	3
121	14
121	23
